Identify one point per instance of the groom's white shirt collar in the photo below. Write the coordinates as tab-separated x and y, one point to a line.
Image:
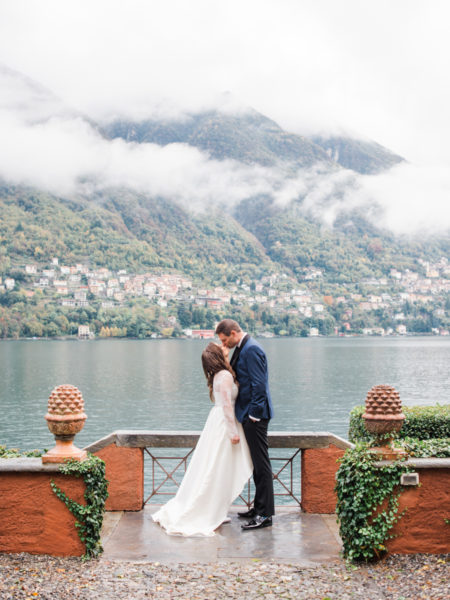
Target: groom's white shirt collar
240	341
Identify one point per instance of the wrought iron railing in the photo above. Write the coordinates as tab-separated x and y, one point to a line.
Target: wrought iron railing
169	470
169	453
157	461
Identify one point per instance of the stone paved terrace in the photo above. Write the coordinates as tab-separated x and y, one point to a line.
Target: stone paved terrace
306	538
295	537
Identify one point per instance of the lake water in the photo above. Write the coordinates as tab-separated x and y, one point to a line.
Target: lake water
159	384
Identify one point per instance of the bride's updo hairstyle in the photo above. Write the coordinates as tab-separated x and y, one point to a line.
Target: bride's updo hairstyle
214	361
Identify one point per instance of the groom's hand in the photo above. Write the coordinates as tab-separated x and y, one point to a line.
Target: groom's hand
235	439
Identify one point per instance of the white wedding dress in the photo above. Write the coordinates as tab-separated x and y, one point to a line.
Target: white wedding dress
217	473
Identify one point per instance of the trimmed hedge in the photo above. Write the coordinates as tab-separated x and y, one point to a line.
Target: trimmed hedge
421	423
16	453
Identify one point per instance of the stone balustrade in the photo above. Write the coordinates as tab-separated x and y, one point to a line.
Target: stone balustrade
123	453
33	519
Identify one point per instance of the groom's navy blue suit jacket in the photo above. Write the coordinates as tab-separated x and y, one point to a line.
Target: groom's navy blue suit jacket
252	374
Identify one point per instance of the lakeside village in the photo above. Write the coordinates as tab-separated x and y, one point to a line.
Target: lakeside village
79	301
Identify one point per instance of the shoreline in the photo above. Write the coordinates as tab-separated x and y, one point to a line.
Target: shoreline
258	337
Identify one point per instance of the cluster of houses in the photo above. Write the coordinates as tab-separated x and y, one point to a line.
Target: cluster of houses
77	285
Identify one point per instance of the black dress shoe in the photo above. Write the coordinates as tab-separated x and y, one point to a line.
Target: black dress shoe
257	523
248	514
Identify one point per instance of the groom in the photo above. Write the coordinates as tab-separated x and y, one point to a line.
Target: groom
254	410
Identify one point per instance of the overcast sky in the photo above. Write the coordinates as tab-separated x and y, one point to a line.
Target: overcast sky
375	68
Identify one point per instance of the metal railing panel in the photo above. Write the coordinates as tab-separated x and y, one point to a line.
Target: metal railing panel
168	470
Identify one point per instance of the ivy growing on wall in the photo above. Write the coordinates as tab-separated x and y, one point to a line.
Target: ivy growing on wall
89	516
367	503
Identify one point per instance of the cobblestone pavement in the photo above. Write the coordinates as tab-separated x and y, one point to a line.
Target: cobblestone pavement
412	577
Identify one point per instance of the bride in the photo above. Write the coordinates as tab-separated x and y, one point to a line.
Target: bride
221	463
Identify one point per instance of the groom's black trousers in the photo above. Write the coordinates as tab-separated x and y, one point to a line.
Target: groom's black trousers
256	435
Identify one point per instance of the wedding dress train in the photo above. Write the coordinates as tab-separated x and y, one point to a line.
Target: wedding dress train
217	472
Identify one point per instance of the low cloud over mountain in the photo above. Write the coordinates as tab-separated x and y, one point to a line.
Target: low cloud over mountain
213	158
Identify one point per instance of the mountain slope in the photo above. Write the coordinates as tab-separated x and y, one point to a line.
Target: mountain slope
362	156
122	230
250	138
354	250
125	230
246	137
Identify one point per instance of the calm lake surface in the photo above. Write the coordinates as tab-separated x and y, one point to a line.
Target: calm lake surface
159	384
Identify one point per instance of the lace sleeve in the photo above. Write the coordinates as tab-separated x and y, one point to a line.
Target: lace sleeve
224	389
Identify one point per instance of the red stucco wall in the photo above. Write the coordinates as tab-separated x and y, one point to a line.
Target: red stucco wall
124	468
319	466
33	519
422	528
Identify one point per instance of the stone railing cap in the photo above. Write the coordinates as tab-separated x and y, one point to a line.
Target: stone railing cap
421	463
27	464
140	438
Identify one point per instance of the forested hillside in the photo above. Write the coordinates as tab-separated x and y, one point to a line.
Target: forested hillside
122	230
111	256
126	230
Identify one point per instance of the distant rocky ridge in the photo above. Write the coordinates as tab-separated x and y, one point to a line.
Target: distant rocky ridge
252	138
249	138
362	156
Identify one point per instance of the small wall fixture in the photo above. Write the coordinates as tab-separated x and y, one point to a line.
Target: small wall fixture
409	479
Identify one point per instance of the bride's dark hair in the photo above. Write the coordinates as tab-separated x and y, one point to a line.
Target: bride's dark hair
214	361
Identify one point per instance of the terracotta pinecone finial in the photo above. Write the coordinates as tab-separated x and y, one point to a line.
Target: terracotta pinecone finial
383	401
65	418
384	417
66	400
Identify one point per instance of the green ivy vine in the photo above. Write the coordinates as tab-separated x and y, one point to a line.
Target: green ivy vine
89	516
362	489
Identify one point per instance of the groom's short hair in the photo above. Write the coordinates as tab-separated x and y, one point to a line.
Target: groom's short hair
227	326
